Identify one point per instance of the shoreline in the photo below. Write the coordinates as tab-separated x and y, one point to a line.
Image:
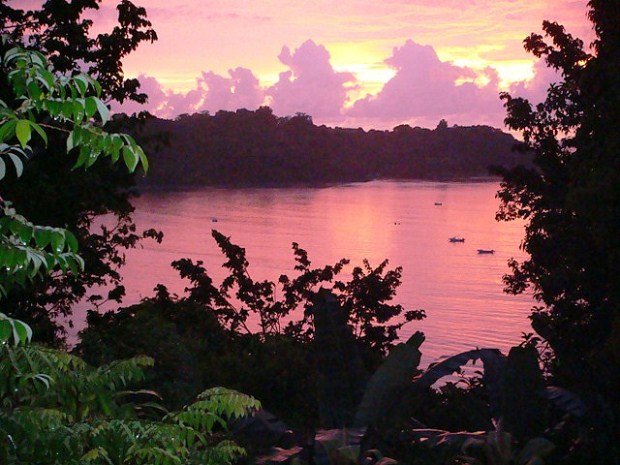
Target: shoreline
194	187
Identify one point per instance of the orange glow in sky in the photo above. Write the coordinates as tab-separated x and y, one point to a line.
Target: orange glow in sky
346	51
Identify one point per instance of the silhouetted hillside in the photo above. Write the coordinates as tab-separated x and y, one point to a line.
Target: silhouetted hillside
256	148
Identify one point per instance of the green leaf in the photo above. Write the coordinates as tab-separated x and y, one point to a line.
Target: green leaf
46	78
104	112
72	265
5	328
22	131
131	159
19	166
67	109
71	240
34	90
26	233
74	138
37	58
36	261
50	261
39	131
53	107
143	159
90	104
44	379
58	241
97	87
83	157
78	110
7	130
43	237
117	144
81	82
24	332
12	54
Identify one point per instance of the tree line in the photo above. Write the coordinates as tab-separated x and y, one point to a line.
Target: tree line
257	148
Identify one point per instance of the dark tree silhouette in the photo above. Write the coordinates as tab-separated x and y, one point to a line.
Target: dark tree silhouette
571	201
258	148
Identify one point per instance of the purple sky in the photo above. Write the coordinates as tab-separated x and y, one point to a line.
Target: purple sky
354	63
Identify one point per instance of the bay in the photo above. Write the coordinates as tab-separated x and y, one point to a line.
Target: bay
408	223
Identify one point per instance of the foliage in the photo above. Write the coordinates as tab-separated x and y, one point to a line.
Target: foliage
510	393
66	100
570	200
63	32
366	296
338	446
243	333
54	406
186	342
570	134
500	448
51	192
26	248
387	418
389	381
257	148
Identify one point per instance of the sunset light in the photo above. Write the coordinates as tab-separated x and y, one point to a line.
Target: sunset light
340	54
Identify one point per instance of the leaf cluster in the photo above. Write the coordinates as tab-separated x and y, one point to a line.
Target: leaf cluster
64	33
54	407
59	75
239	299
43	102
569	199
66	101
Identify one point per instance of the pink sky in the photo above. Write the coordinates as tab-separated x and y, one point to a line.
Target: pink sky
350	63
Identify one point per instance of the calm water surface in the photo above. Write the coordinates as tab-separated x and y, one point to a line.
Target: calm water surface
460	290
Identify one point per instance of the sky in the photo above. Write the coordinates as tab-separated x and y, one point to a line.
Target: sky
347	63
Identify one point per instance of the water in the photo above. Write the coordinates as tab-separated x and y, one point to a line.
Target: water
460	290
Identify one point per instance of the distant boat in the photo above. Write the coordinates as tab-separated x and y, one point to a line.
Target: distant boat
486	251
439	204
214	220
457	239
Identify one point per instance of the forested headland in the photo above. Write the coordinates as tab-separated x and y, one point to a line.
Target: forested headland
257	148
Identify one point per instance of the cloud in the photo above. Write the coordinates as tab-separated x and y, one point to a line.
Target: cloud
157	97
311	85
240	89
535	90
425	89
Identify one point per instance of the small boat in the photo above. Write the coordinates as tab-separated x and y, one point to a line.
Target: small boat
213	220
438	204
486	251
457	239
